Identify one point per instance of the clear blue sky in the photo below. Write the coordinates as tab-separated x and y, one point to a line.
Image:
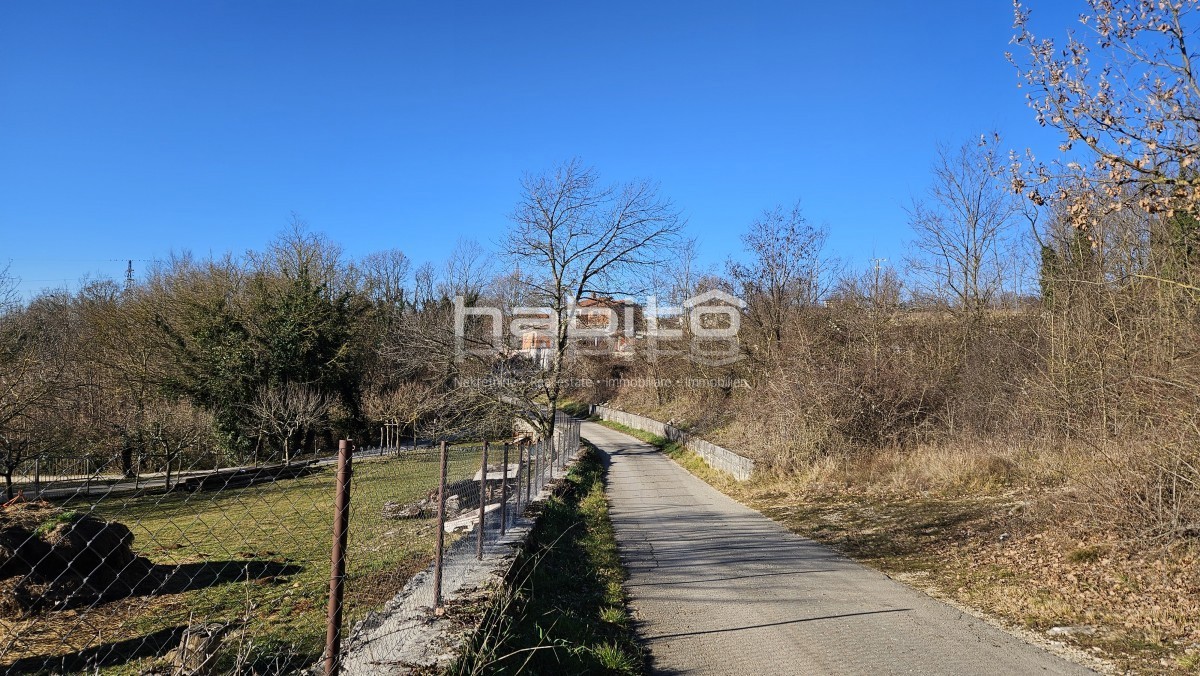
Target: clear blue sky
131	129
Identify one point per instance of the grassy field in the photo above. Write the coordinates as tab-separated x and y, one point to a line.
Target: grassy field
255	559
565	609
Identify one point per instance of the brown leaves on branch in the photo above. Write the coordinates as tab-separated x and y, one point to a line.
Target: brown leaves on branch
1125	95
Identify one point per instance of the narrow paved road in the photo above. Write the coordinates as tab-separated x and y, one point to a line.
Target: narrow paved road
718	588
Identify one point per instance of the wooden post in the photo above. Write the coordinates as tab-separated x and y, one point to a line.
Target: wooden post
504	492
528	473
536	452
440	543
482	503
337	568
520	478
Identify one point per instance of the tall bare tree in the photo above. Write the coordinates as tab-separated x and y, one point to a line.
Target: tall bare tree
424	280
8	289
684	271
575	236
385	278
35	352
961	230
785	270
468	271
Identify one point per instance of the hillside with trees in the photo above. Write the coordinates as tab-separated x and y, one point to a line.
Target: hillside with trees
1024	384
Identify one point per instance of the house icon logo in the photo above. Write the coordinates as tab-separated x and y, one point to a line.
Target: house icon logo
714	314
715	295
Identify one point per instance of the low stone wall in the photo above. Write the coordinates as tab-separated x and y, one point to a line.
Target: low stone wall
717	457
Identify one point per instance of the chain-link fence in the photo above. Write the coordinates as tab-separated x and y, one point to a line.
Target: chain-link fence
47	476
500	484
230	570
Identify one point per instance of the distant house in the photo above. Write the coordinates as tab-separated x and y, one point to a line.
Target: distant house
600	313
611	315
538	347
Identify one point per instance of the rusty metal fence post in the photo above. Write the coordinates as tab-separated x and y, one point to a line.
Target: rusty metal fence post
337	570
440	542
573	438
482	503
528	472
504	492
537	466
518	482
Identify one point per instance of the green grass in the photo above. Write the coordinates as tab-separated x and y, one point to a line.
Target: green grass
53	522
663	443
564	611
261	558
578	409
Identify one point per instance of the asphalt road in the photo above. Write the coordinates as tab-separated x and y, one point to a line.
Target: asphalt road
717	588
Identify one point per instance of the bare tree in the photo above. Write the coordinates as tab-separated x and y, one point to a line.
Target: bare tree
962	228
785	271
8	290
452	383
126	364
298	251
684	271
38	430
385	278
878	289
423	284
576	236
511	289
1129	94
405	404
288	412
35	345
468	271
177	426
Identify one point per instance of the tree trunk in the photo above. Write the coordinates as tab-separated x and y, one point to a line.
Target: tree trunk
126	458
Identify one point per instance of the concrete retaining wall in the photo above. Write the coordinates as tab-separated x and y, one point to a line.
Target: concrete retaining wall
717	457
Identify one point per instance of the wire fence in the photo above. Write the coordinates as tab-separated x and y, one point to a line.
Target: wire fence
236	570
58	476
